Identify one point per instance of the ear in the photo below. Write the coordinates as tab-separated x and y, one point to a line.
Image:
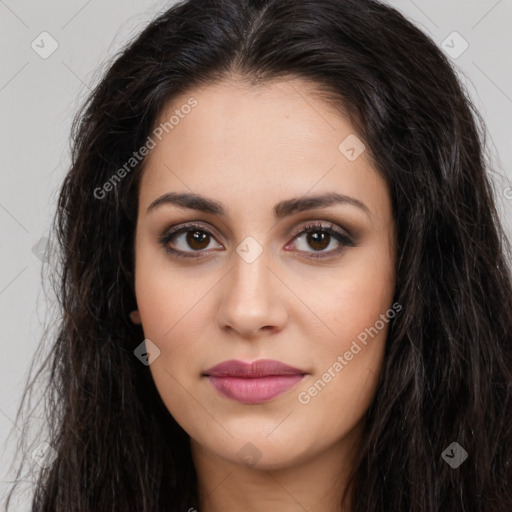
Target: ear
135	317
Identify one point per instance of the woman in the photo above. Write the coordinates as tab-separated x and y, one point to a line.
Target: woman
284	281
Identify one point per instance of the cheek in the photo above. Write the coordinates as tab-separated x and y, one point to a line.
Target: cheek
168	298
353	299
174	306
175	324
172	314
348	362
357	307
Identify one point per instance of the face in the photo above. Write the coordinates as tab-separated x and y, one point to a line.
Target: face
260	237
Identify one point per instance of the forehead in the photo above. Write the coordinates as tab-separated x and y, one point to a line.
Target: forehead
280	116
254	142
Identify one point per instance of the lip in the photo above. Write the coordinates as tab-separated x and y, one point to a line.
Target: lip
253	383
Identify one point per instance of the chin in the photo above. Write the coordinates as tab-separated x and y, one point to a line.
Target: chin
266	453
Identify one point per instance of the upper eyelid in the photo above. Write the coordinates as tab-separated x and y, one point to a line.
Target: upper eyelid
326	225
187	226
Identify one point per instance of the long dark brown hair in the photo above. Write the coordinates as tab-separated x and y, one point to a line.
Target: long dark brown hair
446	376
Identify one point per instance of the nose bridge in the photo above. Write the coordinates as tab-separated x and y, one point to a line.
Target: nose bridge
250	301
248	283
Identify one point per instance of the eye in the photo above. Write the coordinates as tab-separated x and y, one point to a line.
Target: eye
319	237
192	240
188	236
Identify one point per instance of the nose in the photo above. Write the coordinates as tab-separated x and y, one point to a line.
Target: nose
253	299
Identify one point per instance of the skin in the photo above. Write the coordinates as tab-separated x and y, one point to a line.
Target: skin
249	148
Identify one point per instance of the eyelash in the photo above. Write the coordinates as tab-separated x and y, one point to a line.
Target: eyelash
329	229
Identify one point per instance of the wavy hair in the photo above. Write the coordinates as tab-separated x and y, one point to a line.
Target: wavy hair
446	375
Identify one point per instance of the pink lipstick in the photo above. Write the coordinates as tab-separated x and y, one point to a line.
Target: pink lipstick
253	383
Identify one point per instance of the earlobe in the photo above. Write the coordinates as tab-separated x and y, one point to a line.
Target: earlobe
135	317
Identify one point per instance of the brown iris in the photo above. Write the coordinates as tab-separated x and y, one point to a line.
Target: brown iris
318	240
199	238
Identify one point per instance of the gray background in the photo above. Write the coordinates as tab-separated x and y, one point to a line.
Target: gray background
38	98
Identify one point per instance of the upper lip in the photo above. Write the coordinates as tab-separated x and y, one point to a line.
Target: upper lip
259	368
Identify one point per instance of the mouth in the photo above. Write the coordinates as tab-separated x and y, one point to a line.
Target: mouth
253	383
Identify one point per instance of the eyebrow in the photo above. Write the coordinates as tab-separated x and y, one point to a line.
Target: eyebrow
281	209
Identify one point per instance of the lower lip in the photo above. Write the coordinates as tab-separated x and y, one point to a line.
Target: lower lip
254	391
